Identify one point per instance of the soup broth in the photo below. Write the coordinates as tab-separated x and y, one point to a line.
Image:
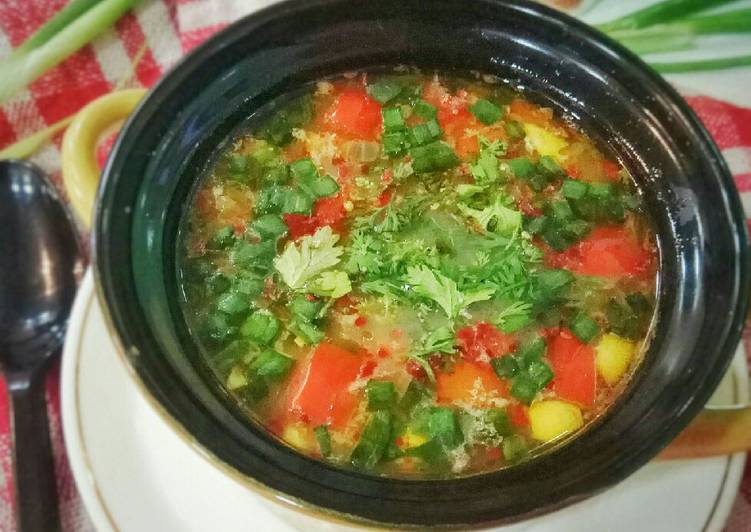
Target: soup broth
418	276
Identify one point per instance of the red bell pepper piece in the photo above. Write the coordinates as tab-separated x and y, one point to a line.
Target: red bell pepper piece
300	224
356	114
459	386
330	210
608	251
482	341
518	414
573	364
320	389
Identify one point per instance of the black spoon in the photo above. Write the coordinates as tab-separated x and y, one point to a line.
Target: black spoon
40	264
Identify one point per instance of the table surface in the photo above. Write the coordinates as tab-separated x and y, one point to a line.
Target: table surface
158	32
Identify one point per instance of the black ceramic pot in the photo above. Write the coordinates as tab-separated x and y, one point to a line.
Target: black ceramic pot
560	63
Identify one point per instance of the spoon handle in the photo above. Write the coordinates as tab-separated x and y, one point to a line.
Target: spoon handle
36	492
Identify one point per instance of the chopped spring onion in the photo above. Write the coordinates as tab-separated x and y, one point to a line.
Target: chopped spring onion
373	442
433	157
486	112
324	439
381	394
585	328
425	110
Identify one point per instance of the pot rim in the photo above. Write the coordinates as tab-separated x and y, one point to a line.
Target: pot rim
291	8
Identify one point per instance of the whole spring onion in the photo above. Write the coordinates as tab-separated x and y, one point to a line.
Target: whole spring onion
682	34
672	25
62	18
660	13
71	29
705	64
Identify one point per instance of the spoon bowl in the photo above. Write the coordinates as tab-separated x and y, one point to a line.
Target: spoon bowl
40	265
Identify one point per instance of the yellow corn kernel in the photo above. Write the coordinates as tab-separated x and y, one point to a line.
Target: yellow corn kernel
411	439
236	378
552	418
613	357
545	142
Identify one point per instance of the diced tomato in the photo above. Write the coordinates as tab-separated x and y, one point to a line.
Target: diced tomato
346	304
360	321
330	210
455	121
356	114
453	115
481	342
525	197
573	364
384	198
300	224
435	94
326	211
319	388
368	368
467	147
611	170
416	370
573	171
384	352
608	251
460	386
517	413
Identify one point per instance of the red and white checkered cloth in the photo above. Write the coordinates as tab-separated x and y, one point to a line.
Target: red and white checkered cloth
168	29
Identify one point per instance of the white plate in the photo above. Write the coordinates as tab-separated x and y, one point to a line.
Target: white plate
135	474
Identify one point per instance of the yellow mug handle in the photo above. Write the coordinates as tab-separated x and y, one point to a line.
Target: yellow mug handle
79	165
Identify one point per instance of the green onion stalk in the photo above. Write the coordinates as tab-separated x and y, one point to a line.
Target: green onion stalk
682	34
660	13
68	31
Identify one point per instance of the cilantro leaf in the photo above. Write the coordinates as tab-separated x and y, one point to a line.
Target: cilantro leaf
486	170
383	287
515	316
303	260
442	290
433	285
363	253
440	340
497	218
333	284
393	217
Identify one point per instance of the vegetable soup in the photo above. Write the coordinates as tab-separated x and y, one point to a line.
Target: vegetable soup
418	276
